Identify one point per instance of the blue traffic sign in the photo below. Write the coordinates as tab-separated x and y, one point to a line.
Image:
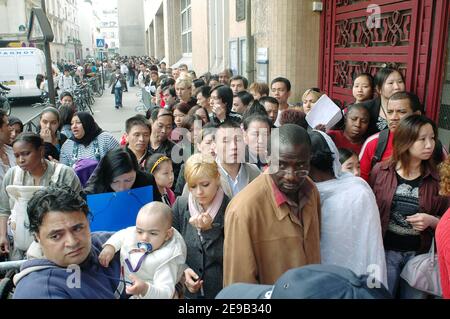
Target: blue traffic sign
100	43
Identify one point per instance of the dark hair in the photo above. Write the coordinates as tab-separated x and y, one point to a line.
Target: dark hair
2	116
245	97
182	107
171	90
269	99
115	163
194	110
240	78
166	83
282	80
188	121
31	138
198	83
155	115
406	135
55	198
64	94
256	118
150	164
368	76
213	77
413	99
382	76
14	120
321	155
291	134
292	116
228	124
345	154
65	113
135	121
52	110
205	91
226	95
255	108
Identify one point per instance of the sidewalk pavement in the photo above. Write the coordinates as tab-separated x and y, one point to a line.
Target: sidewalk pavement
111	119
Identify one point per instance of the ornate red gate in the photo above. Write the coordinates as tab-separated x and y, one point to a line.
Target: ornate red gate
363	36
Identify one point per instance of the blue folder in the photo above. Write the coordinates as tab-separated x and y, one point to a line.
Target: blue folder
116	211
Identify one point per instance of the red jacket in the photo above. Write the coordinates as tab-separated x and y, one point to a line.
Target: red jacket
443	250
383	181
368	152
342	142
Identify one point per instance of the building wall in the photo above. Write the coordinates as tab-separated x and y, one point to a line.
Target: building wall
275	25
237	29
12	15
63	18
131	27
291	31
109	23
200	37
89	23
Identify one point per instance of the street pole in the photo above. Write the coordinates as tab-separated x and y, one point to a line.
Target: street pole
103	71
48	59
250	43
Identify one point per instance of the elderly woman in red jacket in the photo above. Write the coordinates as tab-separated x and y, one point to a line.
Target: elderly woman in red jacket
407	191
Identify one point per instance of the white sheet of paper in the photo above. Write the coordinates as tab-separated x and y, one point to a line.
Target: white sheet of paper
324	112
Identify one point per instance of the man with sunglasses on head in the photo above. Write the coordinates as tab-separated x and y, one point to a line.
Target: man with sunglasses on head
273	224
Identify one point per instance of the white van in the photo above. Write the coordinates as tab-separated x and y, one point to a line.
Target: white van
18	70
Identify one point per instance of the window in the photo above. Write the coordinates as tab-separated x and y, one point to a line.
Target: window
186	26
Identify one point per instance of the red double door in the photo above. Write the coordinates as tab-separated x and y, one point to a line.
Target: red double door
364	36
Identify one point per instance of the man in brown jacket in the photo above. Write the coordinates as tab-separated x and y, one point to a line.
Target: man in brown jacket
273	225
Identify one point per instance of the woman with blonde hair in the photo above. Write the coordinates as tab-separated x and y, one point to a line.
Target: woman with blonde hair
443	232
199	217
309	98
183	87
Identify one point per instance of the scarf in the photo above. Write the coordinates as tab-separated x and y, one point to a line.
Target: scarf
91	129
196	209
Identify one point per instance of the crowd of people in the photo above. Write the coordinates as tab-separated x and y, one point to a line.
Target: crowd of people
244	188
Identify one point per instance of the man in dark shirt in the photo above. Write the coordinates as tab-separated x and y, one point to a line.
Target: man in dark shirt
162	125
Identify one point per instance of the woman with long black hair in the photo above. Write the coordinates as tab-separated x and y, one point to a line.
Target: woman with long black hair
407	191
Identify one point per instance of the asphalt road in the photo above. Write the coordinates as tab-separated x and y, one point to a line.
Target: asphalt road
108	118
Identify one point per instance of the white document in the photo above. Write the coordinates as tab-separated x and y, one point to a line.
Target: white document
324	112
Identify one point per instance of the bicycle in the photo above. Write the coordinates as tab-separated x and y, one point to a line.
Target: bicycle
4	102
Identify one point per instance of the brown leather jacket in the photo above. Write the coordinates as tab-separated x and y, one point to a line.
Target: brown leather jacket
383	181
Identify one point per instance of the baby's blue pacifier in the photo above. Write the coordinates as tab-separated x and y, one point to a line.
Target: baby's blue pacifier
145	246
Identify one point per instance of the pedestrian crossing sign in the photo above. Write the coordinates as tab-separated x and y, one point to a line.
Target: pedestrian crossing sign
100	43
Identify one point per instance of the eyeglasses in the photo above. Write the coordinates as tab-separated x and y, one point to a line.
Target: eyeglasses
298	173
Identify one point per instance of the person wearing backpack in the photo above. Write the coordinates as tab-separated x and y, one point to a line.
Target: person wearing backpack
33	172
378	147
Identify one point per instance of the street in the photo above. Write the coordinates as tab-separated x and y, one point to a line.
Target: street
107	117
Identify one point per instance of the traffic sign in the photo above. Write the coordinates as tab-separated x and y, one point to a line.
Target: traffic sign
100	43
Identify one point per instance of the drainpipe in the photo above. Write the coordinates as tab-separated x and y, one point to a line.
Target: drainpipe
250	43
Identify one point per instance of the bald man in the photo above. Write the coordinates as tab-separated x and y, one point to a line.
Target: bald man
273	224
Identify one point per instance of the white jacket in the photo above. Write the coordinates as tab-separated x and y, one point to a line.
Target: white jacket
161	269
